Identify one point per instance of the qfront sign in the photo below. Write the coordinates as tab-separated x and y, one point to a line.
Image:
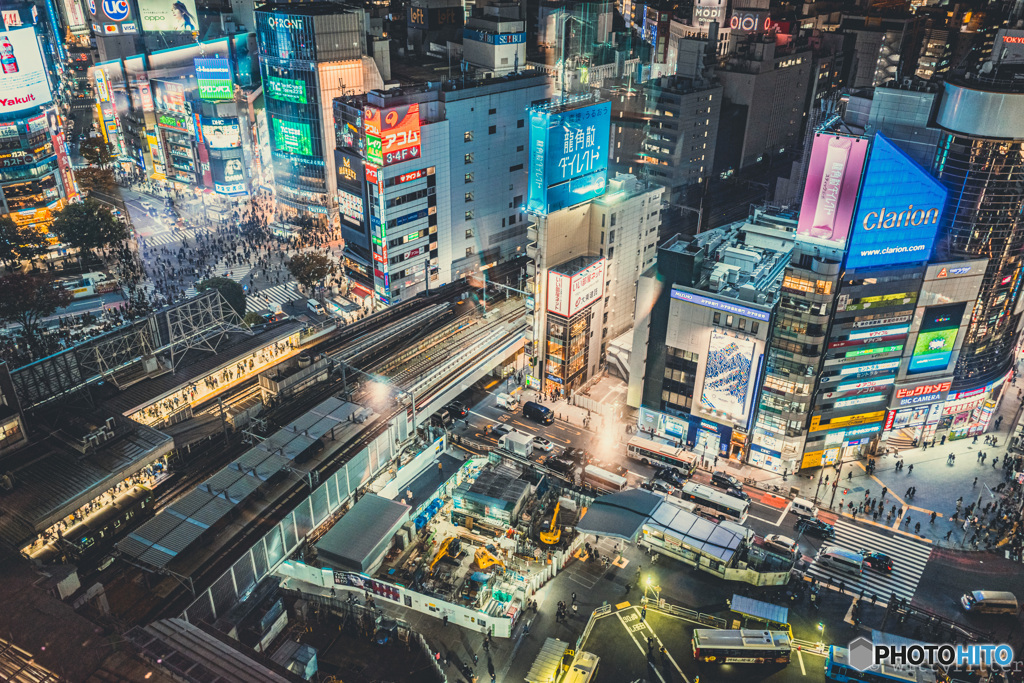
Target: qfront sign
900	210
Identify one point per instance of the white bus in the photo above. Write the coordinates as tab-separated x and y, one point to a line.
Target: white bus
717	503
745	646
603	479
653	453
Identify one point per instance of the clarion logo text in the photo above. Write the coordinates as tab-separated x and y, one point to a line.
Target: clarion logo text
884	218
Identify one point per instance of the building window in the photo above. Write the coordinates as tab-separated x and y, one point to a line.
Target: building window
512	219
716	318
520	123
743	323
754	327
469	178
728	321
611	252
469	233
492	112
491	130
611	237
468	158
520	148
469	196
613	220
517	167
469	251
469	214
468	136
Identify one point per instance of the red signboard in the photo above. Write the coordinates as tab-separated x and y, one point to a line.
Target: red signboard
923	389
400	134
409	177
371	174
889	420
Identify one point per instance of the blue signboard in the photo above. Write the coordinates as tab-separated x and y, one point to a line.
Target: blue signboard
708	302
899	213
568	156
494	38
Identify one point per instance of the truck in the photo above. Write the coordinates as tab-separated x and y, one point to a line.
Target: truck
509	403
518	443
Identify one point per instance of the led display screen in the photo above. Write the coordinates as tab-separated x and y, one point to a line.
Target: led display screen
164	15
899	213
292	137
221	133
23	83
214	78
934	346
286	89
830	194
731	367
568	156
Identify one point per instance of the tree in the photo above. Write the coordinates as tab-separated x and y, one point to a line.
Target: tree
88	225
95	151
19	243
310	268
27	299
251	319
99	179
229	289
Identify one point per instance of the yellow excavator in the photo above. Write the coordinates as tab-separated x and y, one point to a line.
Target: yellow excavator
485	559
552	535
450	546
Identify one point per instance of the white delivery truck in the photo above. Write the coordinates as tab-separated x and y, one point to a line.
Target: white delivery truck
518	443
508	402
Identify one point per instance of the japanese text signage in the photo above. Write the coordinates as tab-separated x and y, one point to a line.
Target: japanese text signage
392	135
830	194
568	156
214	77
568	295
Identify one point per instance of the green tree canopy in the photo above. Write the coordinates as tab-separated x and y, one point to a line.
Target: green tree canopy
311	267
229	289
19	243
99	179
27	299
251	319
88	225
95	151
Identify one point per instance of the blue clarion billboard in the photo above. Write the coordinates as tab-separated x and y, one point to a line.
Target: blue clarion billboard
568	156
899	212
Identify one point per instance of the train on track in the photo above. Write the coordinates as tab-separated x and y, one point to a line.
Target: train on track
93	537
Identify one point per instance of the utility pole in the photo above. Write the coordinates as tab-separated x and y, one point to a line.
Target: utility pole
223	419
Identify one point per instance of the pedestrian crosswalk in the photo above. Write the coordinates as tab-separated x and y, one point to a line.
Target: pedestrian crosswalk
165	238
909	559
233	272
281	294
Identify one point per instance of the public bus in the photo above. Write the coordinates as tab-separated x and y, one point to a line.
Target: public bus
741	646
653	453
603	479
718	503
838	669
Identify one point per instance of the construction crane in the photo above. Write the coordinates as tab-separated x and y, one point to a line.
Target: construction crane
552	535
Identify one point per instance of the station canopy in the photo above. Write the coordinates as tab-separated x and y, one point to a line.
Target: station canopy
758	609
619	515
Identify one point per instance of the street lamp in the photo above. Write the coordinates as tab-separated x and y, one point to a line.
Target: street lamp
821	630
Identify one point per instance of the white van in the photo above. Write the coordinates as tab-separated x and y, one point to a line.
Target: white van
509	403
989	602
315	306
842	560
583	668
804	508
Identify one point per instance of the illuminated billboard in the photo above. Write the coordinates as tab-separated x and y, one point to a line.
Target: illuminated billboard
292	137
167	96
75	17
221	133
731	367
214	78
568	295
164	15
933	348
393	134
285	89
568	156
23	83
830	194
900	210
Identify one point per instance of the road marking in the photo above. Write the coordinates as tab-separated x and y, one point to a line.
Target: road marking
640	647
800	658
622	605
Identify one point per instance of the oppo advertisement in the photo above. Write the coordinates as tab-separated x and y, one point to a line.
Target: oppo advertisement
934	346
221	133
292	137
23	83
168	15
900	210
830	195
731	365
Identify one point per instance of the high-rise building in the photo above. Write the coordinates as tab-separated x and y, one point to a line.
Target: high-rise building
980	159
310	53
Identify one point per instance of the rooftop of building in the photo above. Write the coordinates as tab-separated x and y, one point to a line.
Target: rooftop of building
54	476
309	9
575	265
625	186
424	78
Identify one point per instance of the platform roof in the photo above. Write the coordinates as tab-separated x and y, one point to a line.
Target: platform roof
759	609
619	515
362	530
177	527
52	479
720	540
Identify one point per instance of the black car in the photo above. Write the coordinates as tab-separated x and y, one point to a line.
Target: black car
457	409
670	475
576	454
815	527
877	561
725	481
561	464
658	486
737	493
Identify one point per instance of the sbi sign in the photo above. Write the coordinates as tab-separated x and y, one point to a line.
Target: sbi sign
899	212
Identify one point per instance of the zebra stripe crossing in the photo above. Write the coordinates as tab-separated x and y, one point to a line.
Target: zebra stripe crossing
165	238
909	559
281	294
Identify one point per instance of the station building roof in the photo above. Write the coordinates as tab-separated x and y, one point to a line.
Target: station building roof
619	515
52	479
720	540
363	533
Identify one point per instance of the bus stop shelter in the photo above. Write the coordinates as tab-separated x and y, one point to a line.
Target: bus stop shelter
773	615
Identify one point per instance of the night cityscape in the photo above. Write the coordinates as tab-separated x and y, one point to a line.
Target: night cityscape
556	341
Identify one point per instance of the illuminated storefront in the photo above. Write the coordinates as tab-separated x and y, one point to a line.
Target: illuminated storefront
575	298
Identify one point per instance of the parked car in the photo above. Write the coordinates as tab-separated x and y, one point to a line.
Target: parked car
725	481
543	444
783	544
815	527
457	409
659	486
877	561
